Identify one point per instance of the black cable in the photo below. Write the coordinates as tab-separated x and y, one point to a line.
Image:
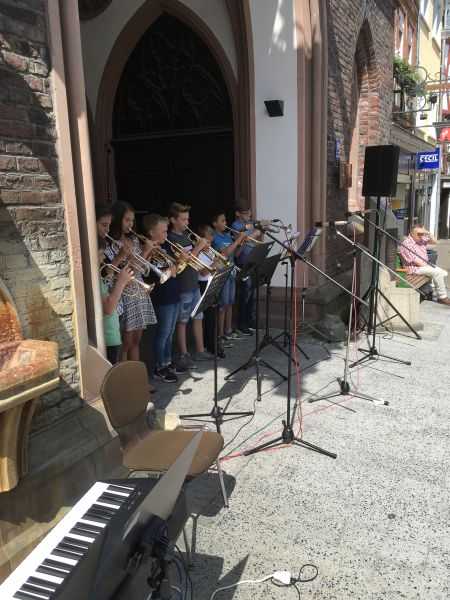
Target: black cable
314	576
242	427
186	570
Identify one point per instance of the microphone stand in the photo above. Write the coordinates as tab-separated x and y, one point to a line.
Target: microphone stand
287	435
372	352
344	385
394	239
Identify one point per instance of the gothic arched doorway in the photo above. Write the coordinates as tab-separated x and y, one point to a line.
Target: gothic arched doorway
173	125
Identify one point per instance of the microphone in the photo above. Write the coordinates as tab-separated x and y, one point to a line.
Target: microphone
265	226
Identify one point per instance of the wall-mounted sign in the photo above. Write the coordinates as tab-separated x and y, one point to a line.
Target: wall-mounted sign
401	213
427	160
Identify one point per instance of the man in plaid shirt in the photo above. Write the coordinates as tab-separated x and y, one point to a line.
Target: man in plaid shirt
413	251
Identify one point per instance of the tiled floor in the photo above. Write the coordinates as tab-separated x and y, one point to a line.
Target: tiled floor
375	521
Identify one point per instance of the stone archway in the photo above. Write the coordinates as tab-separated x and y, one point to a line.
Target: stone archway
239	94
365	112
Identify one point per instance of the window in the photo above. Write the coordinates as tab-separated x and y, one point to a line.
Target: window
423	7
399	33
410	42
437	14
447	15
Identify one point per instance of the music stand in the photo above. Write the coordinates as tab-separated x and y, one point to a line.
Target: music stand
210	299
254	268
266	273
305	247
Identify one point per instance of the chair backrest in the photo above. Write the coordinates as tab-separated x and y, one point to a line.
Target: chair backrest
10	328
125	393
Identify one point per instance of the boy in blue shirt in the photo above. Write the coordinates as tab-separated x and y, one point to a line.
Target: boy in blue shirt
224	243
246	291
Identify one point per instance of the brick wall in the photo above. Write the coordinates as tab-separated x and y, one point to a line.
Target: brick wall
34	261
359	33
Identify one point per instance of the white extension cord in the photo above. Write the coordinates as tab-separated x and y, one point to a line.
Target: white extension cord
280	578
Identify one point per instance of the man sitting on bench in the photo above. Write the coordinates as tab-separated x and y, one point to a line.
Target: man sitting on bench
413	251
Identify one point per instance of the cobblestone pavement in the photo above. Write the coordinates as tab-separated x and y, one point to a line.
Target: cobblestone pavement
375	521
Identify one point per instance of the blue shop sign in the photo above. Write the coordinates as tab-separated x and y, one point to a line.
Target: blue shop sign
427	160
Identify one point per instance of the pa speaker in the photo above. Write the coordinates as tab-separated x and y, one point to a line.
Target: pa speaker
380	170
275	108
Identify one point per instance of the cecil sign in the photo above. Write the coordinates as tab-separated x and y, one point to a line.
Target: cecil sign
427	160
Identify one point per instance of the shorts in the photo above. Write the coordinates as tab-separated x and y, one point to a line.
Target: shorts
228	293
188	301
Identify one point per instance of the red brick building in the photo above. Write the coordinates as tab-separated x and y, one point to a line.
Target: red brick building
69	137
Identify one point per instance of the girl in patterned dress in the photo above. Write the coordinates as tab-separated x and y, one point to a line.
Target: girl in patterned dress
138	309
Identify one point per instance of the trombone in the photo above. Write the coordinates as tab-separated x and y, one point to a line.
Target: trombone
188	259
133	283
209	252
139	263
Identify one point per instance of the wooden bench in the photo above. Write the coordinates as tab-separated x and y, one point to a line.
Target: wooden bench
421	282
28	369
418	281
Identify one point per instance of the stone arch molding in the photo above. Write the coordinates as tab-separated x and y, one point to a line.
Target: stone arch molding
365	109
124	45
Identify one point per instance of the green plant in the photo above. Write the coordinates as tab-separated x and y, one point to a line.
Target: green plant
408	78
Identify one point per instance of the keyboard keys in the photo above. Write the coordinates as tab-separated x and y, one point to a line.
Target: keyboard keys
24	595
43	573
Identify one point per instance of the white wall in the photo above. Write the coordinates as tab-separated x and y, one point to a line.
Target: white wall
99	35
276	137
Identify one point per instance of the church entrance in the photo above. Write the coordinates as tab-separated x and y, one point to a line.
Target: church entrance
173	125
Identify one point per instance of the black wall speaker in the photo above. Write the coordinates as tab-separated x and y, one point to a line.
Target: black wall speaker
380	170
275	108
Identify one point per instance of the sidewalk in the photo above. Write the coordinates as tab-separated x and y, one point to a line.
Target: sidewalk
375	521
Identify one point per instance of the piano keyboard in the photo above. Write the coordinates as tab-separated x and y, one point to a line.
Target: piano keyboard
42	575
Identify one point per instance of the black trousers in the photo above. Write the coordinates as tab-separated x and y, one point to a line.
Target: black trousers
113	354
208	323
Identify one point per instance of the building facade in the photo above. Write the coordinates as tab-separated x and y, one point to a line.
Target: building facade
416	108
95	107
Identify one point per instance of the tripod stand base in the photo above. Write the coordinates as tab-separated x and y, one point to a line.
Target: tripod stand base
287	438
345	390
285	335
257	362
373	354
216	416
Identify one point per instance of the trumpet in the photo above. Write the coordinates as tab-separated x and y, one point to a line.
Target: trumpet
139	263
160	255
210	252
188	259
248	237
134	284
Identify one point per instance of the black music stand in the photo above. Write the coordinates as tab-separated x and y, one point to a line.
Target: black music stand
210	299
256	267
266	273
287	435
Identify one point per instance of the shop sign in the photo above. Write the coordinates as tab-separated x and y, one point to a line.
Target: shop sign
401	213
427	160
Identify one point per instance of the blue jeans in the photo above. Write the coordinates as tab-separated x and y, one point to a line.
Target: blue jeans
167	315
188	301
228	293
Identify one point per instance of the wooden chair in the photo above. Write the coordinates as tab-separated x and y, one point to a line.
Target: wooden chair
125	395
